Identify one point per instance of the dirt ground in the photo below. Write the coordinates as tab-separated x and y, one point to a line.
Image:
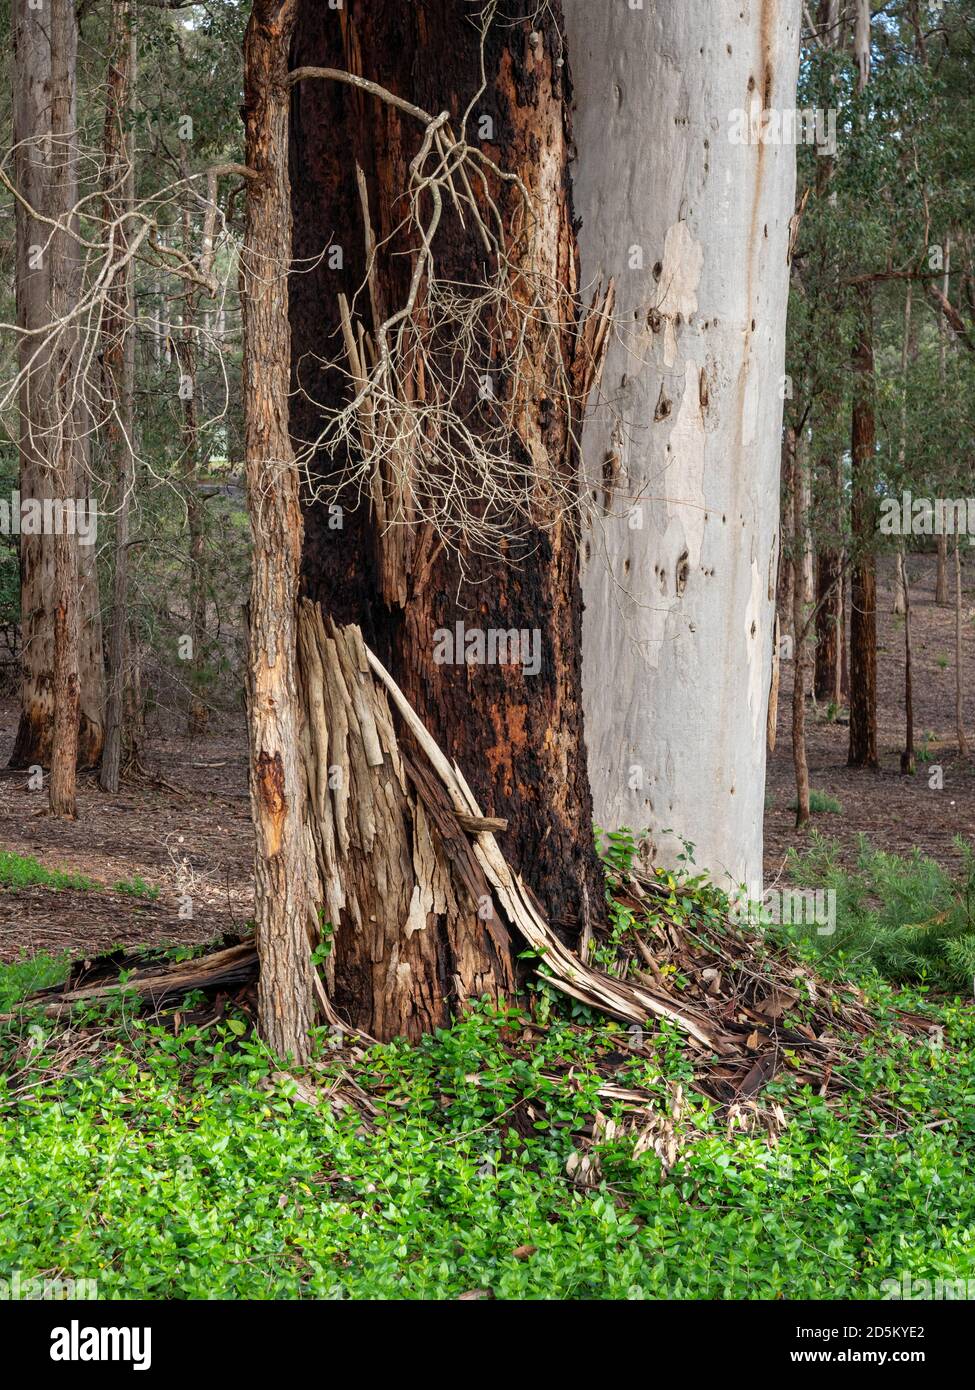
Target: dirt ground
185	828
894	811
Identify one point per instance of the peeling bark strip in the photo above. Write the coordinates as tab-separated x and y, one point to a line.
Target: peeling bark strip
415	930
53	420
277	777
414	882
679	577
519	737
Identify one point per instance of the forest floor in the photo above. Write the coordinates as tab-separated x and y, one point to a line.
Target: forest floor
183	831
895	812
519	1154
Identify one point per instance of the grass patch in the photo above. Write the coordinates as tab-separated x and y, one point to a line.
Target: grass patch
136	887
23	871
820	803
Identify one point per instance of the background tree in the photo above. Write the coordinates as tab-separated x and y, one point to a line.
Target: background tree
61	650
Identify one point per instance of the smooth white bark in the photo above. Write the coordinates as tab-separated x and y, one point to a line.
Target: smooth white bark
680	567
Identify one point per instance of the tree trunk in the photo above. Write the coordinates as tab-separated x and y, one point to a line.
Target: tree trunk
900	600
772	722
118	369
829	598
863	515
861	41
844	667
941	572
680	570
274	720
959	678
941	542
829	590
800	763
787	565
806	503
908	759
54	424
188	356
827	682
513	727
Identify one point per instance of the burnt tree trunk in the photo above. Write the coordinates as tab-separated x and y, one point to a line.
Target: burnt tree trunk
863	585
516	736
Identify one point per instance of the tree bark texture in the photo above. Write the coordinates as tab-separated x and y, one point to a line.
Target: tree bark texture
517	736
680	569
277	779
118	371
54	422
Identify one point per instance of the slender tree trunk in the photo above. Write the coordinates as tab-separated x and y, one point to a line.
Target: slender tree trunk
843	672
276	773
863	588
806	502
118	368
772	722
902	603
959	678
941	572
861	41
188	354
900	599
68	420
799	629
680	569
827	678
54	424
908	760
515	732
829	593
787	568
67	695
941	542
